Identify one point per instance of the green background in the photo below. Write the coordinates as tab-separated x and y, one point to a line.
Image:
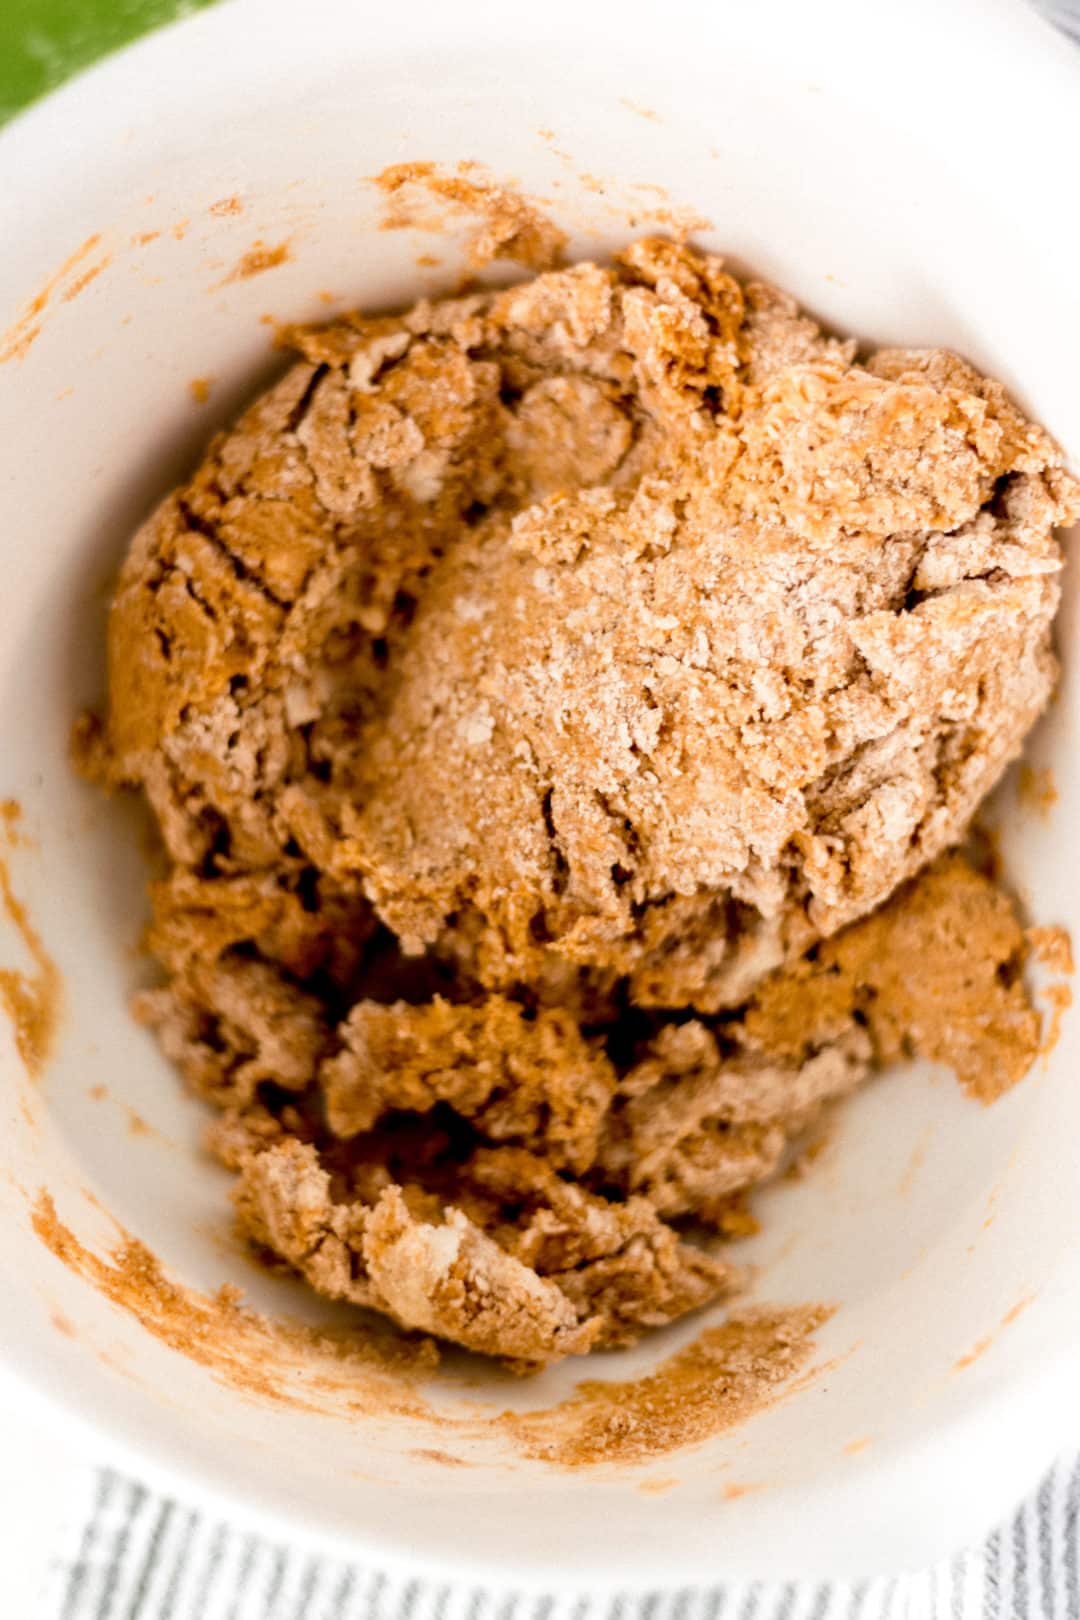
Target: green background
42	42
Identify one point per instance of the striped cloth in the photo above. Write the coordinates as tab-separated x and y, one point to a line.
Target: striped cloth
127	1554
1066	13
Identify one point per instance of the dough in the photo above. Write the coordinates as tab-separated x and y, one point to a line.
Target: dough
520	684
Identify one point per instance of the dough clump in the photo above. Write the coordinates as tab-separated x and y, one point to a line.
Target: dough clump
557	705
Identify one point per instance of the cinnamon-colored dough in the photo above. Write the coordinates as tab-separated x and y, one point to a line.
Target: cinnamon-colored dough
537	693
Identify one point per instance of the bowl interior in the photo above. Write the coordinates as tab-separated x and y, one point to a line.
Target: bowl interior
927	1221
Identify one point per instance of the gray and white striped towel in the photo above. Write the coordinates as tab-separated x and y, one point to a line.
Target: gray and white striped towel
1066	13
128	1554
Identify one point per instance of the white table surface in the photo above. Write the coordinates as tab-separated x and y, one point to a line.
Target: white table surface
38	1468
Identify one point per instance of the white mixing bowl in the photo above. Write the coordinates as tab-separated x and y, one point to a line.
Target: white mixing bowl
908	171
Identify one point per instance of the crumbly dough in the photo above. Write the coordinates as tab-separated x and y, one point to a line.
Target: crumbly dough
534	690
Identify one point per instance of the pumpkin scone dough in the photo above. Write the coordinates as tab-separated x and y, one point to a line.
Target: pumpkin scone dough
557	705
